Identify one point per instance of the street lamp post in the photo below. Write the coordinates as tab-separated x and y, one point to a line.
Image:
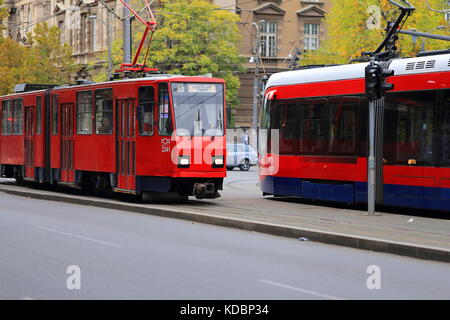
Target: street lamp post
108	41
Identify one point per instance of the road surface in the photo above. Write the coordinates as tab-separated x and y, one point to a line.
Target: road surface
123	255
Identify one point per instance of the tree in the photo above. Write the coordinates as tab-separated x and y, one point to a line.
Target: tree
3	15
48	61
192	38
11	56
353	27
42	60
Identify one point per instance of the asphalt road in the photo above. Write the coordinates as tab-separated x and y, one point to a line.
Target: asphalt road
124	255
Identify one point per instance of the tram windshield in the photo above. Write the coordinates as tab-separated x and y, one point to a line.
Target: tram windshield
198	108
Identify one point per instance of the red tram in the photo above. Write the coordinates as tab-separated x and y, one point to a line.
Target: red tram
321	115
158	133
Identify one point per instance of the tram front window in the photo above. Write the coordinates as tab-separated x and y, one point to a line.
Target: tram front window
198	108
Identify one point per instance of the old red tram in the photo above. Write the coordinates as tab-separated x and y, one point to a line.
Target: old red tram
159	133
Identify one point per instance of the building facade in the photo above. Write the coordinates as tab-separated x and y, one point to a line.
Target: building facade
272	31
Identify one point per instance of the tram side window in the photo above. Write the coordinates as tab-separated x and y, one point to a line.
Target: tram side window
18	117
103	111
55	109
7	117
409	128
165	118
145	110
38	115
289	130
313	127
84	112
445	129
343	117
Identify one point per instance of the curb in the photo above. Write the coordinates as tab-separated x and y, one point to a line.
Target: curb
358	242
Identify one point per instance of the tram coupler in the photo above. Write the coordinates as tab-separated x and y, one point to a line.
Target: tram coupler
205	191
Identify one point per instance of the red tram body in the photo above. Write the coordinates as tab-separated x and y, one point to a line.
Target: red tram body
322	118
121	135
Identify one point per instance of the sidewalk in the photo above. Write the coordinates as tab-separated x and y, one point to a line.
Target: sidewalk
413	236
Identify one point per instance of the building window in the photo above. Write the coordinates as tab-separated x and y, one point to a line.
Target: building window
103	111
268	39
311	39
93	39
62	32
84	112
84	33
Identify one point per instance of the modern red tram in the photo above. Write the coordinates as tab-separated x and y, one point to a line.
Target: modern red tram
159	133
322	118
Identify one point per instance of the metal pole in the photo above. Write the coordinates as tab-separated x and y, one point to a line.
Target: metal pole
126	34
255	80
108	40
371	161
255	98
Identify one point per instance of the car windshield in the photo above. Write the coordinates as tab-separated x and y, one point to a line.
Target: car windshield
198	108
239	148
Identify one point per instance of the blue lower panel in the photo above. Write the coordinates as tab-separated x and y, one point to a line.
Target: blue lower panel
394	195
417	197
331	192
306	189
154	184
281	186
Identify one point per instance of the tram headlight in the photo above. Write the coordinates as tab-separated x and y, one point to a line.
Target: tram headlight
184	162
218	162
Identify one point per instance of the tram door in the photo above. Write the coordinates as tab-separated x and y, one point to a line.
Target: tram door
126	144
67	142
29	141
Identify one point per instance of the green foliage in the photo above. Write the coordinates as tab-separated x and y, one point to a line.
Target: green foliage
42	60
348	34
3	13
11	56
48	60
192	38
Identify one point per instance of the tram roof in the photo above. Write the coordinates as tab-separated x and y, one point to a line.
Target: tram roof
159	77
416	65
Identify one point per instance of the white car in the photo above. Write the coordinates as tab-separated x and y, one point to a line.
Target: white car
242	156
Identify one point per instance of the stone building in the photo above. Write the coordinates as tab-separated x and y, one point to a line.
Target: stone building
84	25
271	31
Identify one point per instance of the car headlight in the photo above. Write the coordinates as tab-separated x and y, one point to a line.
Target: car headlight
184	162
217	162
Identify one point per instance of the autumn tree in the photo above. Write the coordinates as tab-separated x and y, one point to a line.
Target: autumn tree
12	54
354	26
3	15
41	60
48	61
193	37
